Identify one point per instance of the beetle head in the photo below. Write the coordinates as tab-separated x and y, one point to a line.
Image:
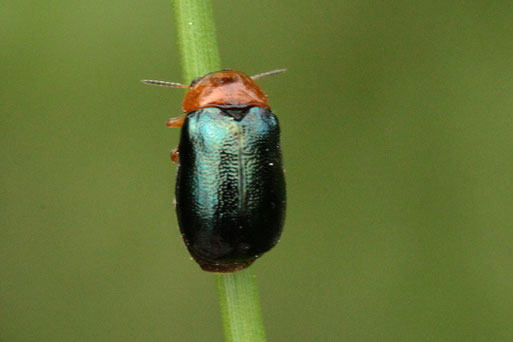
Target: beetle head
224	89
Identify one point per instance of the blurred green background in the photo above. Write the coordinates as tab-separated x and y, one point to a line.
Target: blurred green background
397	120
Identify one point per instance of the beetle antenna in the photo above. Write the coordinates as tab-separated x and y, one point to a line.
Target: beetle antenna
165	84
269	73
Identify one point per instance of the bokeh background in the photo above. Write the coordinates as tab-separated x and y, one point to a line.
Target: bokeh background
397	120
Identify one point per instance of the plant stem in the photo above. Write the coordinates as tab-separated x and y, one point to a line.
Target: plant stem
237	292
240	307
197	41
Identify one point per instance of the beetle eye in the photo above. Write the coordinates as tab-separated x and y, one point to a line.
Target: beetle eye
194	81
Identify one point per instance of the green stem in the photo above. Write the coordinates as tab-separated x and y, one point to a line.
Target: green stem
240	307
237	292
197	42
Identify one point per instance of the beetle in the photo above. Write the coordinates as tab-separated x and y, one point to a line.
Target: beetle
230	186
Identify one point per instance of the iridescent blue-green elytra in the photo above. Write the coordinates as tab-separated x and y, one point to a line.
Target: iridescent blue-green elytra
230	189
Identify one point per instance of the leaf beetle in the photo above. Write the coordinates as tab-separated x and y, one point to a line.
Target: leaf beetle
230	187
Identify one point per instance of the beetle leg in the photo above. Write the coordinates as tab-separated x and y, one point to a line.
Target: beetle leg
174	154
176	122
